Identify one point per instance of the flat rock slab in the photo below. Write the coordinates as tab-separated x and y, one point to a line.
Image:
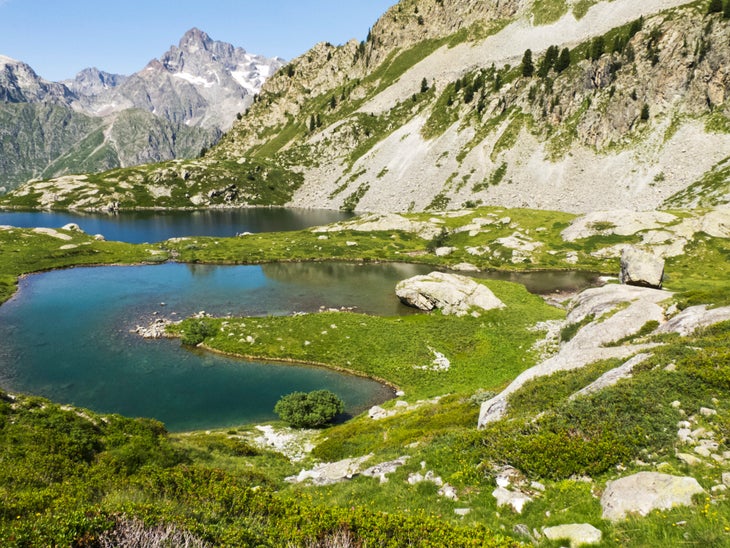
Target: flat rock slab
450	293
647	491
579	534
692	318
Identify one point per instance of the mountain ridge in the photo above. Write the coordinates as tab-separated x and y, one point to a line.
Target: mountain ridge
447	119
178	105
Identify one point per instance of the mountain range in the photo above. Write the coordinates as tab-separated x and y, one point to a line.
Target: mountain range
174	107
515	103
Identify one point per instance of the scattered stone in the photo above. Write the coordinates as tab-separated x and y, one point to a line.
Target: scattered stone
72	227
377	413
719	488
707	412
68	246
51	232
439	363
293	444
641	268
429	476
688	459
726	478
646	491
522	530
99	237
507	476
579	534
383	469
155	330
331	472
684	435
449	492
387	222
514	499
462	511
450	293
676	404
702	451
465	267
444	251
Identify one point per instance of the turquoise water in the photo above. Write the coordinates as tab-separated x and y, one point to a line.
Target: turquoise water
66	335
155	226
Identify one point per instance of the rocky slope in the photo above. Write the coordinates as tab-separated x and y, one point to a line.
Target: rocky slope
435	110
176	106
624	119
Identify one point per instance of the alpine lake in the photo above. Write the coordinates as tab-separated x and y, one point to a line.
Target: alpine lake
68	335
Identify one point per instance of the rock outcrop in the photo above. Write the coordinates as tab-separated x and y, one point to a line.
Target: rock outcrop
450	293
646	491
640	305
641	268
693	318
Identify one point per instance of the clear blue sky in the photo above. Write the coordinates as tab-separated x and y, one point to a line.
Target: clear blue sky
58	38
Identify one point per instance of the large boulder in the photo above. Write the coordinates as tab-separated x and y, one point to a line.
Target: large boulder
450	293
641	268
647	491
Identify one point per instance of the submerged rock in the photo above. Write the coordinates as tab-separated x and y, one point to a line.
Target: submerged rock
450	293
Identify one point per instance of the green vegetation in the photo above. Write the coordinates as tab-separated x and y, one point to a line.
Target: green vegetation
309	410
548	11
70	476
174	184
26	250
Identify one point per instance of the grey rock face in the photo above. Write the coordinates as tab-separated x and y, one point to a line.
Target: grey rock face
646	491
92	81
641	268
20	84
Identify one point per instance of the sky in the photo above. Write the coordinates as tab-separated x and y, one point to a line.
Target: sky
59	38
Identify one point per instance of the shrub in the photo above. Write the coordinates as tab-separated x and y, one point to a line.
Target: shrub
197	331
309	410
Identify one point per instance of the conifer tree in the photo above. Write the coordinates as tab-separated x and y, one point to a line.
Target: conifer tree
715	6
563	61
528	69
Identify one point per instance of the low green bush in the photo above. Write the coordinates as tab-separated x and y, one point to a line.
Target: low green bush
309	410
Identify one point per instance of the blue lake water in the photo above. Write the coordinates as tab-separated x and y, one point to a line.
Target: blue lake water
66	335
155	226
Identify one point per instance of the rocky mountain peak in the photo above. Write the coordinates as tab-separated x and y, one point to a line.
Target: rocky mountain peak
194	39
92	81
19	83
